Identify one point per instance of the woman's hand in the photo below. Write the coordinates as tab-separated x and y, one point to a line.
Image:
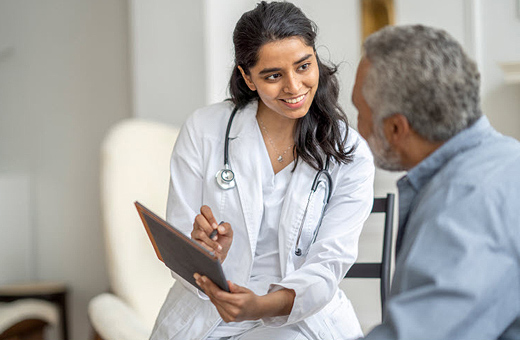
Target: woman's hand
242	304
205	223
238	305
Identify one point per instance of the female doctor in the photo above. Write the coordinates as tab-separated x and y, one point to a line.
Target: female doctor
293	183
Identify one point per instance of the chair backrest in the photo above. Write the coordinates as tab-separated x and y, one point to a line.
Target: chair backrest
135	166
379	270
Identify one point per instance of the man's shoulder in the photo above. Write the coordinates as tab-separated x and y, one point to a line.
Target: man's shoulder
477	182
493	161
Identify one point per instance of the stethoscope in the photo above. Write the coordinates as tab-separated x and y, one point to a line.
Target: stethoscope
226	177
226	180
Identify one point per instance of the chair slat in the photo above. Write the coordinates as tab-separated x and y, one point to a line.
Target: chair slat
379	270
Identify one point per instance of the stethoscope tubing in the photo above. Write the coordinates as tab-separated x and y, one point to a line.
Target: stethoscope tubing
229	184
226	143
314	187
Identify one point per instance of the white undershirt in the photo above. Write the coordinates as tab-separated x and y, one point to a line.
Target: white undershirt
266	263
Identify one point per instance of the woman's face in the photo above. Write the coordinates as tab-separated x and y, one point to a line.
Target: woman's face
286	77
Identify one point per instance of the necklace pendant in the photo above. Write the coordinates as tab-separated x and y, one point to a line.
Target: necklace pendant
280	159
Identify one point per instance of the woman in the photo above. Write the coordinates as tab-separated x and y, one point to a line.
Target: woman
282	251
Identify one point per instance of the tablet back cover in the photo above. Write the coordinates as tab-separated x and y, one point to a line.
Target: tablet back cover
180	253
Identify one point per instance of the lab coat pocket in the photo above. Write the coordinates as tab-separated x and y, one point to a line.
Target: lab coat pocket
175	313
342	321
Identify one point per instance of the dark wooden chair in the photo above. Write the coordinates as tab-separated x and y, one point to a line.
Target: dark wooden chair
379	270
32	328
29	329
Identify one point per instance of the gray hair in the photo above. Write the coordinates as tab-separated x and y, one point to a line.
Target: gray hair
424	74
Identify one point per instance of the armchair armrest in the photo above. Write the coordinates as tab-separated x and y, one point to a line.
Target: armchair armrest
20	310
113	319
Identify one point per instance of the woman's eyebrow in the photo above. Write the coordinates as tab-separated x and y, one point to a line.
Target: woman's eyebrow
303	59
276	69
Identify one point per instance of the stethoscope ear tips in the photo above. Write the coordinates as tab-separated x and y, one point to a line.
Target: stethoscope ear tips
225	179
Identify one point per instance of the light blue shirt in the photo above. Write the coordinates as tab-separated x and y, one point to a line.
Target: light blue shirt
458	267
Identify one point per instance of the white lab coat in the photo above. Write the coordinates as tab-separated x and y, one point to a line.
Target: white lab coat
320	309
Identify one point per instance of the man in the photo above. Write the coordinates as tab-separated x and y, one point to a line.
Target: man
457	273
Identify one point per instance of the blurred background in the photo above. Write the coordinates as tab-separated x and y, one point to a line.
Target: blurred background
71	69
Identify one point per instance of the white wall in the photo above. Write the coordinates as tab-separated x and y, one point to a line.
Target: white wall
64	79
500	26
18	251
168	58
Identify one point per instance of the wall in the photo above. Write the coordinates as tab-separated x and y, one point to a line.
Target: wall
500	27
168	59
64	79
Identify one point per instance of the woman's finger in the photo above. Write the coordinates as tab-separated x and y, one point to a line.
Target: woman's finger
231	306
201	232
208	214
225	229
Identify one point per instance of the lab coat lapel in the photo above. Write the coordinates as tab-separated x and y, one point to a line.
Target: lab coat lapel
292	213
245	154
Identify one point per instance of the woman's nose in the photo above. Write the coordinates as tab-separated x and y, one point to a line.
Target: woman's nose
293	84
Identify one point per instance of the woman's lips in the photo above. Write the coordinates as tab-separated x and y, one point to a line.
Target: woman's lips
296	102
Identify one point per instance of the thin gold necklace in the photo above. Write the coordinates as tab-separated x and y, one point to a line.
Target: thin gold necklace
280	155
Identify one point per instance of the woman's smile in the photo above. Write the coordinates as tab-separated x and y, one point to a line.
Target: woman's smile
295	102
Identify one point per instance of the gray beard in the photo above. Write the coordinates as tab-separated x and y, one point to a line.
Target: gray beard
384	157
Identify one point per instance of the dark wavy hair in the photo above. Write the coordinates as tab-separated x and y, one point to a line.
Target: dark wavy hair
318	137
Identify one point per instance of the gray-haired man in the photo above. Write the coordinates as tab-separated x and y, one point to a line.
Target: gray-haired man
457	272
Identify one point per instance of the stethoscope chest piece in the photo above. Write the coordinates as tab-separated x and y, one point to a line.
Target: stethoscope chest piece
225	179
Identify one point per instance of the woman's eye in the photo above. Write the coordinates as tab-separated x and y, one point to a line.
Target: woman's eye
273	76
305	66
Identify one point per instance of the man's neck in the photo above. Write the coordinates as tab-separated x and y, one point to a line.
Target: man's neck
416	150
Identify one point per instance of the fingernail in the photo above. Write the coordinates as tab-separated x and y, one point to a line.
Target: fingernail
221	229
214	225
219	247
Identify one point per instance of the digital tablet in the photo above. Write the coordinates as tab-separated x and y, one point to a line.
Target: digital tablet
180	253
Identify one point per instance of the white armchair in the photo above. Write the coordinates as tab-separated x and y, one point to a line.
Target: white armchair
134	166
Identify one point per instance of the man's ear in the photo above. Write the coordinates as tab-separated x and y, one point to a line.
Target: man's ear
247	79
397	129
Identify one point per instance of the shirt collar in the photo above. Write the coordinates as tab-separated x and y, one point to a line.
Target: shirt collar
419	175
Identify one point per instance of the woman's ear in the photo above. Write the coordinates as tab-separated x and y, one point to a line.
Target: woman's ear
247	79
